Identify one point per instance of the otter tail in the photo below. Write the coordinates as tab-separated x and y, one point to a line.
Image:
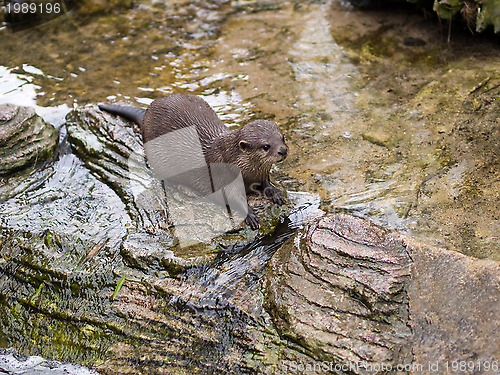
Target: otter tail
130	113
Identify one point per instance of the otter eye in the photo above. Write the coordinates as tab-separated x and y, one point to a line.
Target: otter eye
266	147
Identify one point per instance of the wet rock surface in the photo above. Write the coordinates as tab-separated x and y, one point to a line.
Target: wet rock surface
112	149
343	295
115	292
25	139
341	292
357	295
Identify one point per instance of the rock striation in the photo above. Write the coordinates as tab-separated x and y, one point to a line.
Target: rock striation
25	139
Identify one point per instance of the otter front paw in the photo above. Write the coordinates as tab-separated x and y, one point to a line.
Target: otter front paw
252	220
275	195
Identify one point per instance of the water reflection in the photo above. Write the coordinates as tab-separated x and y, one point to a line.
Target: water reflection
17	88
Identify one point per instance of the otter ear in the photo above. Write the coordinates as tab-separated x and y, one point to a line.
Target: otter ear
244	145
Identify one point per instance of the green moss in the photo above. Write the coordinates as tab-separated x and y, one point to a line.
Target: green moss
374	44
32	332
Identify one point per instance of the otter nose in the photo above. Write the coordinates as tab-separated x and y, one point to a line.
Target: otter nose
283	151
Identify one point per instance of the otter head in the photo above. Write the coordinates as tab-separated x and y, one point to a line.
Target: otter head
262	144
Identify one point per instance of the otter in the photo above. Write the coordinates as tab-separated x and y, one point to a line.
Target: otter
252	149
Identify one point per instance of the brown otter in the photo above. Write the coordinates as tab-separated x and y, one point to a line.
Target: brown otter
253	148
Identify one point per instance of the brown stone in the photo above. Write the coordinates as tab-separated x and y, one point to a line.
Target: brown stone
358	295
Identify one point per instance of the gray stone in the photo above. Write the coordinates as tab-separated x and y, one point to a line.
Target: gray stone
25	139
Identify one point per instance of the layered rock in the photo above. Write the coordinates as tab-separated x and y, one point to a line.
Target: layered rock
364	300
25	139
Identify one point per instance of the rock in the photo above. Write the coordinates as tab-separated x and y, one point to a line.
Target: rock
340	292
25	139
454	303
359	296
141	251
112	149
344	296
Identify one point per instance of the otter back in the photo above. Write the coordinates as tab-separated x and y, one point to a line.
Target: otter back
180	111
